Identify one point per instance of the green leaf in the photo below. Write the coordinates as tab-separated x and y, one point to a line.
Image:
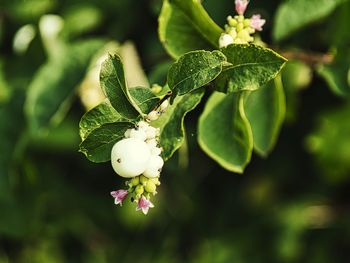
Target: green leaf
113	84
252	67
51	90
98	144
144	98
185	26
193	70
171	122
336	75
292	15
101	114
224	132
265	110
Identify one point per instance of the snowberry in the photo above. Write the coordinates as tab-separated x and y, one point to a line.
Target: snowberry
153	115
130	157
154	166
164	105
225	40
138	134
127	133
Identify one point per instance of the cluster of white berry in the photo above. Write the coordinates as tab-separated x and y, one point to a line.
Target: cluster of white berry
238	30
137	157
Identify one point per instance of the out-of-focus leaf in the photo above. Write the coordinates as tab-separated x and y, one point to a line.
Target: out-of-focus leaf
193	70
224	132
330	143
336	74
295	76
171	122
252	67
185	26
265	109
81	19
292	15
101	114
99	143
52	87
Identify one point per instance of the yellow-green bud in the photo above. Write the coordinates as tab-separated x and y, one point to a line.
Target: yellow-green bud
232	21
240	19
135	181
155	180
233	33
246	22
143	179
156	88
227	28
250	30
244	35
239	26
139	190
150	187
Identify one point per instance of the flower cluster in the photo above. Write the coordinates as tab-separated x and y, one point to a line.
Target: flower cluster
137	157
239	29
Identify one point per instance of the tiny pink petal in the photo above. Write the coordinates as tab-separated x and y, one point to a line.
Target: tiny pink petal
256	22
119	196
241	6
144	204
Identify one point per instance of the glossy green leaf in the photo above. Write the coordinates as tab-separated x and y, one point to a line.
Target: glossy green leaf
292	15
113	84
265	110
171	122
50	91
144	98
98	144
252	67
193	70
185	26
224	132
101	114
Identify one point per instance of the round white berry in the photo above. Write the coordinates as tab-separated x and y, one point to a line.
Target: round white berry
130	157
155	164
143	125
153	115
225	40
138	134
155	151
164	105
127	133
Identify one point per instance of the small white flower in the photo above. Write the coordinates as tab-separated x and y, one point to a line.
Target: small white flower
225	40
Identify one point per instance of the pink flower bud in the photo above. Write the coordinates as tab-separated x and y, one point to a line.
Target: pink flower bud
256	22
241	6
119	196
144	204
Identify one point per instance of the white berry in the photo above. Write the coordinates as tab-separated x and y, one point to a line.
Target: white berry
154	166
138	134
127	133
225	40
153	115
164	105
130	157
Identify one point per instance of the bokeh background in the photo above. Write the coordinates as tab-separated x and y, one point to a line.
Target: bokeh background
293	206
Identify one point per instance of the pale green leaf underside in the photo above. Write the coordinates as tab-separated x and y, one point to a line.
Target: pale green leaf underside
224	132
292	15
171	122
98	144
185	26
193	70
101	114
265	110
252	67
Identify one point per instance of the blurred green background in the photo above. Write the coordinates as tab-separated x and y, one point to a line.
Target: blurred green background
293	206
